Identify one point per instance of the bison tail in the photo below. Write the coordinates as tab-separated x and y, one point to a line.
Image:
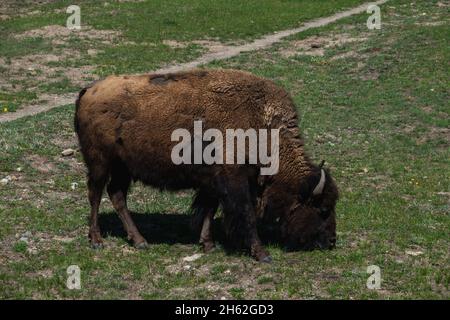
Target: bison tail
78	101
77	107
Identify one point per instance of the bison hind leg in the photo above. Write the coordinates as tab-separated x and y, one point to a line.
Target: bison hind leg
97	178
117	190
203	209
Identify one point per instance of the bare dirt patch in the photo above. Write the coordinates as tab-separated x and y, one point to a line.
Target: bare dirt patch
175	43
316	46
42	72
65	142
346	55
436	133
41	164
28	72
247	273
431	23
60	34
7	253
211	46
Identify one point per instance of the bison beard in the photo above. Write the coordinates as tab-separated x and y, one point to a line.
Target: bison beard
124	127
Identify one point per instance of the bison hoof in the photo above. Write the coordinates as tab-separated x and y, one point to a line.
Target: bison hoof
208	246
266	259
97	245
141	246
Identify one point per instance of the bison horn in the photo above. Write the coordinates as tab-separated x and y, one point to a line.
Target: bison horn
319	188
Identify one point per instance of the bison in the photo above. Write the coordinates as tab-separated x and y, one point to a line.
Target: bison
125	125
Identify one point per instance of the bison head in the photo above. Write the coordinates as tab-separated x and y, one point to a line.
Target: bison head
306	213
310	221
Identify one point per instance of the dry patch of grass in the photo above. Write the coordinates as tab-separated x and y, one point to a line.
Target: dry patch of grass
60	34
210	46
317	45
31	71
63	65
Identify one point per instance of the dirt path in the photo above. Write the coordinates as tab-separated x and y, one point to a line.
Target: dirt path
225	53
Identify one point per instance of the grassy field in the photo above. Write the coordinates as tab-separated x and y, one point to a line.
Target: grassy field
373	104
40	57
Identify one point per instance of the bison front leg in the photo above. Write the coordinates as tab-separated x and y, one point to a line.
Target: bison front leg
206	238
239	215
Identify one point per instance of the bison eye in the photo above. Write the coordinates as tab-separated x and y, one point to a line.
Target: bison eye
324	212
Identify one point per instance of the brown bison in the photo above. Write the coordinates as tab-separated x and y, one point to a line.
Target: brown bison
125	126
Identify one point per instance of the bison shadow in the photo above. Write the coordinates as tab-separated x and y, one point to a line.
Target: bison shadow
170	228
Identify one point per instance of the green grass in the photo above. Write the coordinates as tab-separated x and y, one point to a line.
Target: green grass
13	48
59	86
379	118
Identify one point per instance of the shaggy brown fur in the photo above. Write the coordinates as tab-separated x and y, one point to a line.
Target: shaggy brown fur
124	125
